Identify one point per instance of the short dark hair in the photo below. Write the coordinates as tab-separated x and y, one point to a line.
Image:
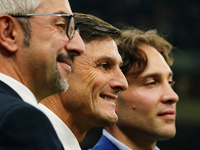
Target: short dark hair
133	57
92	28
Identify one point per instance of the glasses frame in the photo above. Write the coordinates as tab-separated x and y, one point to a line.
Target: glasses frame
69	16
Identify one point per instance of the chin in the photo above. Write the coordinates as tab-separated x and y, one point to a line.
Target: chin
167	136
104	122
112	120
108	123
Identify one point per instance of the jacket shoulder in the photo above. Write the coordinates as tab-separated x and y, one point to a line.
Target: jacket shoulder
25	126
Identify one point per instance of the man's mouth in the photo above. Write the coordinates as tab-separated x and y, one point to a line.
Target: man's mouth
109	99
65	61
168	114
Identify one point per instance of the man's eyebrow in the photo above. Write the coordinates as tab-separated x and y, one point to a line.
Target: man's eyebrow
63	17
108	58
154	75
104	57
62	12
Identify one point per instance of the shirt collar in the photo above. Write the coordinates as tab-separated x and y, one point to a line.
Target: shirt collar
117	143
18	87
65	135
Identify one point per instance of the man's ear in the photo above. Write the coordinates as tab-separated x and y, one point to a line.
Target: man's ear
8	33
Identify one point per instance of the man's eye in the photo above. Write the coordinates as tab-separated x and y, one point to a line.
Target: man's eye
62	25
103	65
150	83
172	83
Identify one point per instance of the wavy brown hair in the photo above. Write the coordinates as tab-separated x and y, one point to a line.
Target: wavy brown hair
134	59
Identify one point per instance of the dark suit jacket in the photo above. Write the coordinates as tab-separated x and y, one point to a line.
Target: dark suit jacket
22	126
104	144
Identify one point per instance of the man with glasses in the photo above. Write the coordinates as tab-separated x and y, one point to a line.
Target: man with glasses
38	42
94	84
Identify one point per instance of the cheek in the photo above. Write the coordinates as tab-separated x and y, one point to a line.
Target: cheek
77	97
84	70
138	101
95	80
129	96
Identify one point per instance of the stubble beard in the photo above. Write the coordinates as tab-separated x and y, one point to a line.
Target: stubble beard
60	84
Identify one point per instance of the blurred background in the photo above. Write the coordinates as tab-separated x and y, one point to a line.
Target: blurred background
179	22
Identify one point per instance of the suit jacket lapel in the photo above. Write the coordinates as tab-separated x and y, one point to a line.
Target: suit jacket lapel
4	88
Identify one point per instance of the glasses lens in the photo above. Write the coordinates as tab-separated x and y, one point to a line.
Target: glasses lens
71	28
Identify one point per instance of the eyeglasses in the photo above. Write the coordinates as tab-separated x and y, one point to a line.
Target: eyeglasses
71	27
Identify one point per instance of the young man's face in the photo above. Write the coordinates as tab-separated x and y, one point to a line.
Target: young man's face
48	59
148	107
95	84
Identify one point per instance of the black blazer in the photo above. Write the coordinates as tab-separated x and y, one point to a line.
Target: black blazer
22	126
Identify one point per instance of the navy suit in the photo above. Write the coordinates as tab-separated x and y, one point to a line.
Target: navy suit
22	126
104	144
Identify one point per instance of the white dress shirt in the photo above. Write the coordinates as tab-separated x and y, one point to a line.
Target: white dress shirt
20	89
117	143
65	135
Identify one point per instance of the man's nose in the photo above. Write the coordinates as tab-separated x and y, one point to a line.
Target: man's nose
76	46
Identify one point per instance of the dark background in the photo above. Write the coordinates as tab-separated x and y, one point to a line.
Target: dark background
179	22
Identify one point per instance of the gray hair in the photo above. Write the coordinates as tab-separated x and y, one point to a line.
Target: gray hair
15	7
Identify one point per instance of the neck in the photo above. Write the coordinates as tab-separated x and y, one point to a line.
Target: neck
54	103
76	127
13	72
132	139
